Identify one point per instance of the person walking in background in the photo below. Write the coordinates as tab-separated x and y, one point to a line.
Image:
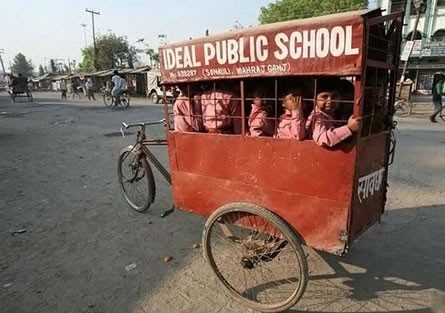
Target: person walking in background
75	85
63	88
437	98
89	87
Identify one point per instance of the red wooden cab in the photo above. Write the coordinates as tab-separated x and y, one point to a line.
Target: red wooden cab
328	195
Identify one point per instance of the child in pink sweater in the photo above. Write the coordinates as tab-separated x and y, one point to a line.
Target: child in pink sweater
260	124
321	124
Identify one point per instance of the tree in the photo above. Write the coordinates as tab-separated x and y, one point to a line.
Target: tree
112	52
22	66
284	10
87	65
155	60
53	66
41	70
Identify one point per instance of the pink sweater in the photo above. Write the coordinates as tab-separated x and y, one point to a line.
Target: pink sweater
259	124
188	117
324	130
219	110
292	125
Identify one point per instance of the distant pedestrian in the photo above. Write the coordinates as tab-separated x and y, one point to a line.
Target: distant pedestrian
90	89
437	98
63	88
75	90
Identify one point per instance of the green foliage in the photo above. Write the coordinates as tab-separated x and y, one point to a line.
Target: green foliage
285	10
112	52
153	57
87	65
22	66
41	70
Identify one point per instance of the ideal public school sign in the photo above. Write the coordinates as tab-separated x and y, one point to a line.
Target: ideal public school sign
270	51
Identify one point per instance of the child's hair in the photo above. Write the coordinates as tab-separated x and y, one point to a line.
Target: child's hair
328	84
258	94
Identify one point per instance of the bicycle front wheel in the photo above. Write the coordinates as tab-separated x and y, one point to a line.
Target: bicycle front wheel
136	180
256	257
403	108
108	100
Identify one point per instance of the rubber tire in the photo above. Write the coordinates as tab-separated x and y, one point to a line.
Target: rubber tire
30	97
442	114
283	227
407	112
148	175
106	98
154	97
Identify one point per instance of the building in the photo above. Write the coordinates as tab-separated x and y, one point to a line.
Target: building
428	55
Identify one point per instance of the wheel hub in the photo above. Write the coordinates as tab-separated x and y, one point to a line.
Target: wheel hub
247	263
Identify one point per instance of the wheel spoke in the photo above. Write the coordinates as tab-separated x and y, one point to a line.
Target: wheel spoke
135	182
267	267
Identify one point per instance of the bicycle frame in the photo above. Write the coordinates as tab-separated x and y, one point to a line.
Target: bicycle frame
142	143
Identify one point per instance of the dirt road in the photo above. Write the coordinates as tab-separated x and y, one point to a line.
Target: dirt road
58	184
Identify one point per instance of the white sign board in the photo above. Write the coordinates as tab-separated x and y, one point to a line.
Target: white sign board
407	50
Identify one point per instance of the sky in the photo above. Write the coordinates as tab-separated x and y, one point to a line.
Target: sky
51	29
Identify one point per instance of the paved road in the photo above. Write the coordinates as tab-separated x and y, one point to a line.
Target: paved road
58	182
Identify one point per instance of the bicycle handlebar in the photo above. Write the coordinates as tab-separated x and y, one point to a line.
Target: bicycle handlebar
126	126
142	124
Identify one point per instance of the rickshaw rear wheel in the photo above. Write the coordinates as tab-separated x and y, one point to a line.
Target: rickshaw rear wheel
403	108
249	250
136	179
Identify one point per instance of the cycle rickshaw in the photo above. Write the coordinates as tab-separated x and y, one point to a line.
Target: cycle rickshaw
265	197
19	88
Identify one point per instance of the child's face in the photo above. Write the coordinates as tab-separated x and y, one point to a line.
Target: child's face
327	102
258	102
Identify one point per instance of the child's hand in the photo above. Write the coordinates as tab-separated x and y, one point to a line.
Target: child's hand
293	104
354	123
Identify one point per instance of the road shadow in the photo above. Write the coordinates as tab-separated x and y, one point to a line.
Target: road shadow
395	267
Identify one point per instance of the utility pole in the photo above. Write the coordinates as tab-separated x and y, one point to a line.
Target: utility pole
94	36
1	62
84	32
420	7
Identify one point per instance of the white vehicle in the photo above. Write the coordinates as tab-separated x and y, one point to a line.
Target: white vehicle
154	90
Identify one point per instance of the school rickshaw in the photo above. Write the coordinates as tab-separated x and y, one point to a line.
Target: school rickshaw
266	197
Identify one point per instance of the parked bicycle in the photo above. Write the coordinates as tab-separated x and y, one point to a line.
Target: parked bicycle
134	171
110	100
403	108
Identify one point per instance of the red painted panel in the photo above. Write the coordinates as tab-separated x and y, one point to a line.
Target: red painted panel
308	186
370	183
318	221
286	48
287	165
